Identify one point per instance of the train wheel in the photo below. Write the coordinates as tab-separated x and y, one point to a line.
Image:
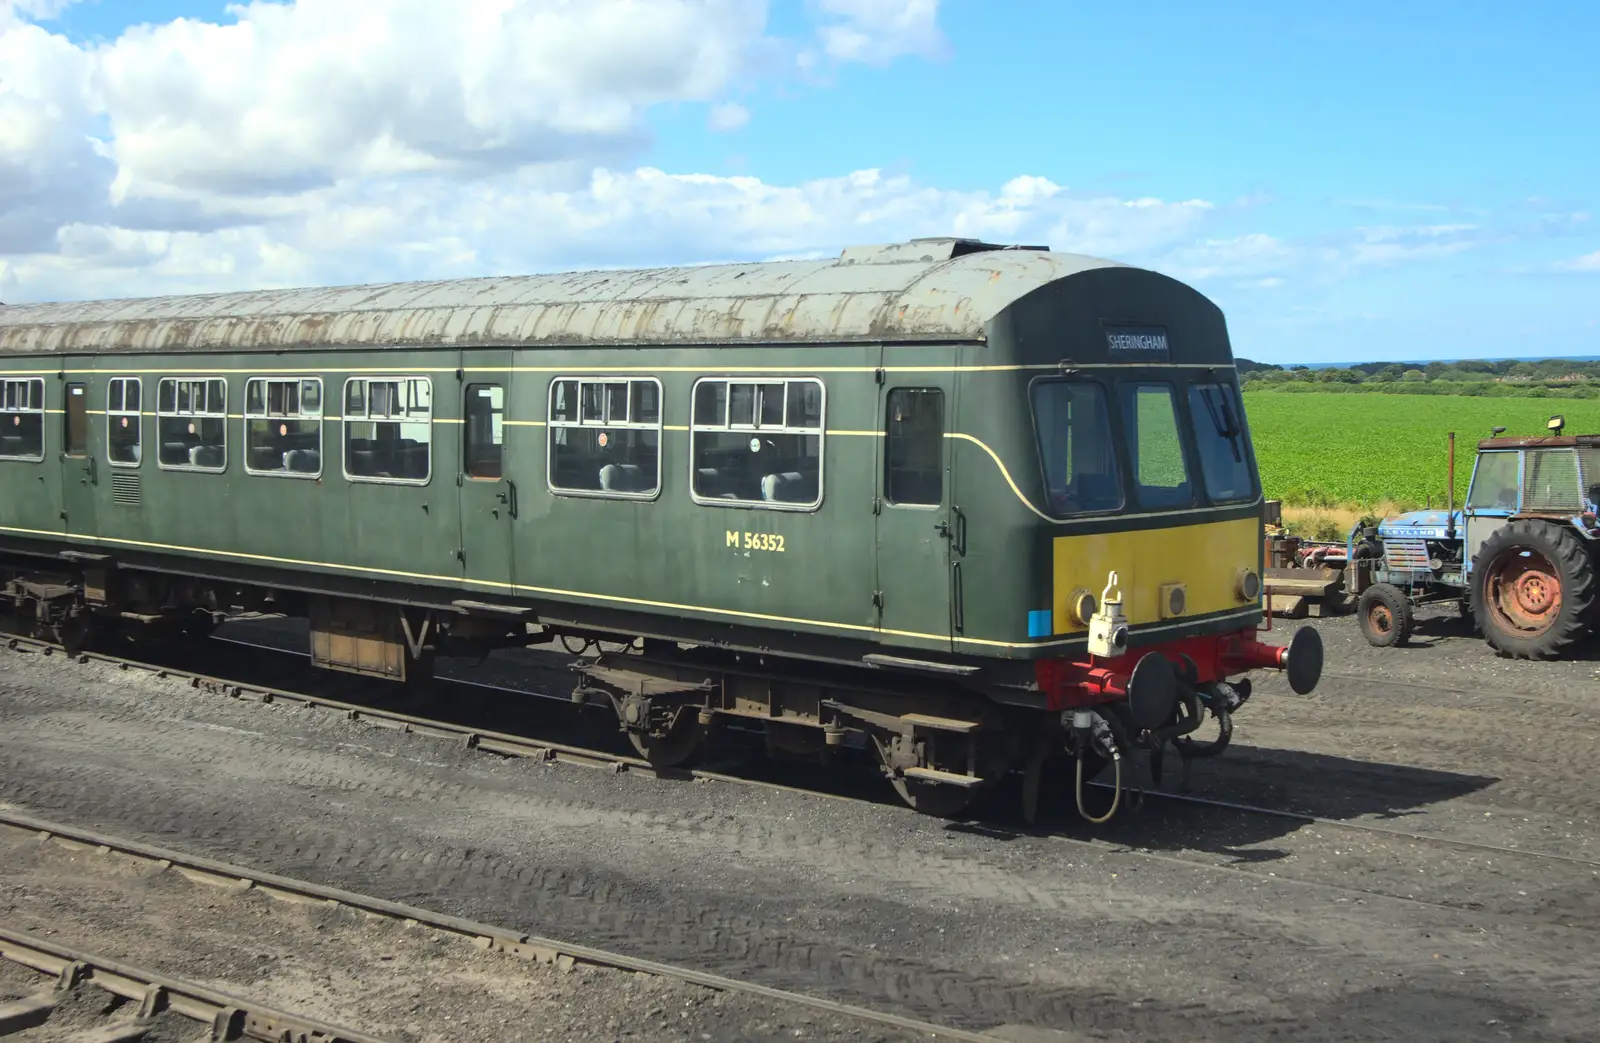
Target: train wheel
676	747
1533	589
1386	619
935	798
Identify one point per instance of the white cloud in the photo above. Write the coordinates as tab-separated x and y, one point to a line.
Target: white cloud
879	31
376	229
727	116
1586	263
295	97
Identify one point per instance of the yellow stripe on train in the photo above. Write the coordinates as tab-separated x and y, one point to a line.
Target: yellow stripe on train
1206	560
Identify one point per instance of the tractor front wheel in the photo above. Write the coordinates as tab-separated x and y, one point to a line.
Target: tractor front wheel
1386	618
1533	589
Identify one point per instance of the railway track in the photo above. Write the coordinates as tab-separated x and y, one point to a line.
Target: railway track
145	998
252	1020
511	745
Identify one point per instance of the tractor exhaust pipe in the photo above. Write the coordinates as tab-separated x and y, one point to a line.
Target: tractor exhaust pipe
1450	496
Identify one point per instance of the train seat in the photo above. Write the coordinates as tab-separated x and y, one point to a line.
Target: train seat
789	487
303	461
208	456
265	458
622	478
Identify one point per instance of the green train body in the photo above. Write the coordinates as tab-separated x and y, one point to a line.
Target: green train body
897	482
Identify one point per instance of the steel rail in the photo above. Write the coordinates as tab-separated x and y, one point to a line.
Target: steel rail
229	1017
504	744
484	936
509	745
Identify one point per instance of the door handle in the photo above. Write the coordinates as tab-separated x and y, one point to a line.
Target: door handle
509	498
93	469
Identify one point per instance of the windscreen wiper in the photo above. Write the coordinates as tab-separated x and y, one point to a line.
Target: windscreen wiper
1223	420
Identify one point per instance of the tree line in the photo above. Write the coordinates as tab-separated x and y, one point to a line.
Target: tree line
1541	378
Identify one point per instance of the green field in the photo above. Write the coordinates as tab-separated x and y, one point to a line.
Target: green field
1363	450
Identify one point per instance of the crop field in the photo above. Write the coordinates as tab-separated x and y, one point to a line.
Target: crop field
1360	451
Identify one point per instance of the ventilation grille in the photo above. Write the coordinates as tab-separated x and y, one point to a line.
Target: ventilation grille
1406	555
125	489
1550	481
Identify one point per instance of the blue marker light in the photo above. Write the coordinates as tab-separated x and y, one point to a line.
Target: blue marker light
1039	623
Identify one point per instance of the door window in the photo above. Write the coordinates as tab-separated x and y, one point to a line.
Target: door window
77	439
484	444
913	465
1494	483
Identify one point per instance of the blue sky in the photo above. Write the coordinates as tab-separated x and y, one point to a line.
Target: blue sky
1380	181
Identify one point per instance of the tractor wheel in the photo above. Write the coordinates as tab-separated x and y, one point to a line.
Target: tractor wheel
1386	619
1533	590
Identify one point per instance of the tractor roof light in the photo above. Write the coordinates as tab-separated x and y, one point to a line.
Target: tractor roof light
1555	424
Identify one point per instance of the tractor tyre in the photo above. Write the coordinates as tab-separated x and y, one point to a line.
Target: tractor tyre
1533	590
1386	618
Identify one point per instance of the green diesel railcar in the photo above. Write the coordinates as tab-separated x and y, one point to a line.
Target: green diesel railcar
981	504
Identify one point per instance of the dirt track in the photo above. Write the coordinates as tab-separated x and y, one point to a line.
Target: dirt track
1180	922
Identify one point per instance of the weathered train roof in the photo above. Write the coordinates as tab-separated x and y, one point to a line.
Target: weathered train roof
939	289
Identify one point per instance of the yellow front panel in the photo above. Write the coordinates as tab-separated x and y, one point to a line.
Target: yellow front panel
1207	558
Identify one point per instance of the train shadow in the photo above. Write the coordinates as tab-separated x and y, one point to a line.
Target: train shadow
1235	806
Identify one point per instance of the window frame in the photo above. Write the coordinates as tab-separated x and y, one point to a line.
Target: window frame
206	380
1115	436
1127	396
40	412
820	431
366	416
137	414
86	448
466	430
1189	390
266	414
888	439
552	425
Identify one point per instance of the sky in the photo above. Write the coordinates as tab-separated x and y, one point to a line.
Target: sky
1348	182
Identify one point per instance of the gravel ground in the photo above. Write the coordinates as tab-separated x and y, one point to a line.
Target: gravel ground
1177	922
350	969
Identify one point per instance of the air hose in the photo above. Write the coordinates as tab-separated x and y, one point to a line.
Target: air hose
1116	798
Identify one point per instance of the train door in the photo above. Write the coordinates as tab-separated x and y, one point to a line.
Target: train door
80	471
488	499
918	530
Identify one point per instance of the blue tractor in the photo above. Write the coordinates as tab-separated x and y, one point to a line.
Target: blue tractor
1519	559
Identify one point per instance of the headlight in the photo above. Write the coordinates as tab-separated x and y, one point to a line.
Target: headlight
1249	585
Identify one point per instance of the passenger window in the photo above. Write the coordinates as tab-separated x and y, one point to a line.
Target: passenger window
76	441
1224	445
1495	481
605	436
388	429
124	446
913	465
192	423
22	419
1076	447
758	443
283	426
1151	417
485	435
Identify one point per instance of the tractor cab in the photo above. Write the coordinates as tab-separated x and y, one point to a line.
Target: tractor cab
1519	558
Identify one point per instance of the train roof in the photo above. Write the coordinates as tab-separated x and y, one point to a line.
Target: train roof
924	290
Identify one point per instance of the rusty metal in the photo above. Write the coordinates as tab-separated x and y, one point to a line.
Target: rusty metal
927	290
240	1019
1524	590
